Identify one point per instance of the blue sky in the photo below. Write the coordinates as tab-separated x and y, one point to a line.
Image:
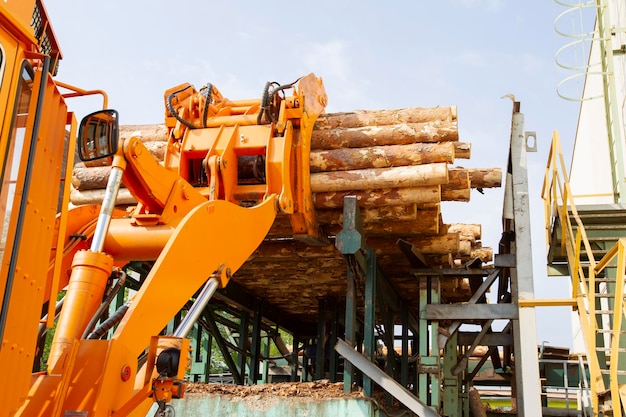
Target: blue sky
371	55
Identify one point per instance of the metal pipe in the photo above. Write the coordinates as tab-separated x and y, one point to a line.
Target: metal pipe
198	306
110	322
42	324
109	298
106	211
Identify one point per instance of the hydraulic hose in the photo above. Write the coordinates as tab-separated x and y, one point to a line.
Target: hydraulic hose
109	323
170	108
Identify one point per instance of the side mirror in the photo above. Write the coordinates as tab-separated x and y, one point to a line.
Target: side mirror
98	135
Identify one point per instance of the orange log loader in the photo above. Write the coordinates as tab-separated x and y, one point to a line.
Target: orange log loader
198	217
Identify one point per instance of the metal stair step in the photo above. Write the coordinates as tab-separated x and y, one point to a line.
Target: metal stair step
609	331
608	350
601	214
606	372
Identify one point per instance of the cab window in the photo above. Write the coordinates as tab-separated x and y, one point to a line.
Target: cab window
12	157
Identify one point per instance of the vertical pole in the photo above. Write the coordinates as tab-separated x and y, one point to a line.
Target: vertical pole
256	345
332	364
404	364
197	336
370	316
306	360
348	370
266	354
435	382
209	353
422	377
243	338
524	329
451	382
294	359
320	350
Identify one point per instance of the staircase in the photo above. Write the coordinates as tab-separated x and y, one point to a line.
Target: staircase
588	243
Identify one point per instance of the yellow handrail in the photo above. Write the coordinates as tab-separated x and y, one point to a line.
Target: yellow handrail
559	205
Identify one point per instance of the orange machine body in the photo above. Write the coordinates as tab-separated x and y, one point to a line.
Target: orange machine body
199	216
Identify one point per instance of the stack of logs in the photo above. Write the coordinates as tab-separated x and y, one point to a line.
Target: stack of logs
397	164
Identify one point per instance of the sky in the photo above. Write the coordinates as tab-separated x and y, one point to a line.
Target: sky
370	54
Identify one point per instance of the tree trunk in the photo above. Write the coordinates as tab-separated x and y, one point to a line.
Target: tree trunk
381	156
361	118
367	179
397	134
485	177
370	214
381	197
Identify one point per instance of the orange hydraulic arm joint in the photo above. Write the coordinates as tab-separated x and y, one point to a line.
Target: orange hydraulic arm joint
243	151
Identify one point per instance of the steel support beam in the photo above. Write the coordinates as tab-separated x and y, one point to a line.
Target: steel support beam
384	381
322	331
369	340
524	326
219	340
350	330
471	311
255	347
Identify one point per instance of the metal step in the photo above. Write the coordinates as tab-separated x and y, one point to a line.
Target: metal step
609	331
601	214
606	372
604	224
603	280
608	350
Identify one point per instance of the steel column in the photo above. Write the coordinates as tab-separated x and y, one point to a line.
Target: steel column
524	328
369	341
255	349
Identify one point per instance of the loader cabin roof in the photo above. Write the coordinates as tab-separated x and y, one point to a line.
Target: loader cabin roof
402	224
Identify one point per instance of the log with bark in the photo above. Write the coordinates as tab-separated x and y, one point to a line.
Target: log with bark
396	163
344	159
373	178
361	118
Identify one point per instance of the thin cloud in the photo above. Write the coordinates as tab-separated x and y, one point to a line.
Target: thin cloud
331	57
485	5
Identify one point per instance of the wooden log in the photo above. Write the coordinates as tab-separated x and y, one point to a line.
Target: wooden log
90	178
481	177
398	134
157	149
477	408
458	186
427	245
462	195
485	254
367	199
427	222
370	214
366	179
147	133
290	250
79	198
464	229
462	150
381	156
341	137
377	198
361	118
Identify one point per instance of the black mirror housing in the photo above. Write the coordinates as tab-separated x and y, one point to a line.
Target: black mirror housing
98	135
